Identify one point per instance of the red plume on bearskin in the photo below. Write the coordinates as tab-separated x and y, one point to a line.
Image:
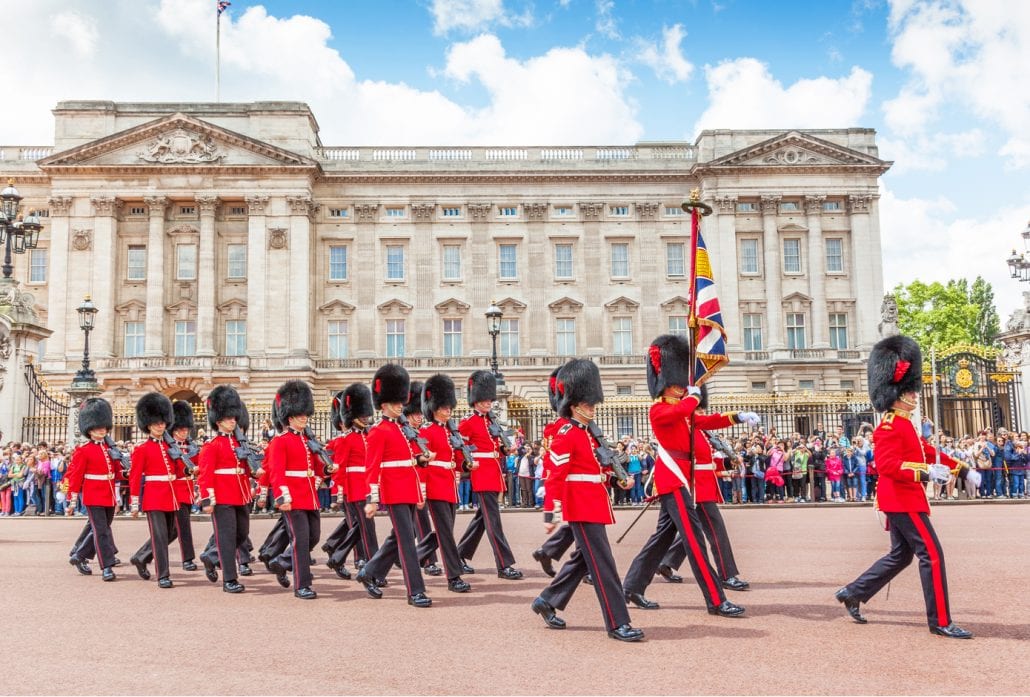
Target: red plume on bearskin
582	384
554	388
390	385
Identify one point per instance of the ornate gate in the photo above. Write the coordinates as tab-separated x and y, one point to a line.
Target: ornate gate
975	390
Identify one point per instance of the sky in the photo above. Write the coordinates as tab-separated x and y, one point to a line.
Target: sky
945	83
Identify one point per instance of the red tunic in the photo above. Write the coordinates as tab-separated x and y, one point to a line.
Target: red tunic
671	428
293	468
222	476
183	484
153	473
900	455
575	466
552	488
338	479
350	457
390	465
488	476
92	472
440	475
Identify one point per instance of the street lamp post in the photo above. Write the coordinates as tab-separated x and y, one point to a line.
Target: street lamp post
493	323
87	315
1019	265
15	234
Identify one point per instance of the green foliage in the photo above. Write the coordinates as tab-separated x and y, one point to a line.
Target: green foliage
940	315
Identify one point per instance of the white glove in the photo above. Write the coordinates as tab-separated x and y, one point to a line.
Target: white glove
750	418
940	474
694	390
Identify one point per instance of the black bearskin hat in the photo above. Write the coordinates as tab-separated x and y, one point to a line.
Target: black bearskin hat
334	411
482	385
389	385
438	392
152	408
95	413
355	403
295	399
414	405
704	397
555	388
244	420
582	383
668	363
223	402
273	416
183	412
895	367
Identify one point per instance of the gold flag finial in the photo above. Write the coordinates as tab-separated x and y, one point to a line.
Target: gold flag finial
695	203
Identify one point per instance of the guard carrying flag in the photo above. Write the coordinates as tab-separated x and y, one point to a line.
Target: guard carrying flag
904	463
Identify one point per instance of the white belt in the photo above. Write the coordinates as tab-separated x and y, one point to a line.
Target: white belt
99	477
484	456
355	469
160	478
592	478
709	466
397	463
300	473
441	463
229	470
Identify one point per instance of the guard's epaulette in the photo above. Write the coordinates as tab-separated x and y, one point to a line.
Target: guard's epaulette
565	429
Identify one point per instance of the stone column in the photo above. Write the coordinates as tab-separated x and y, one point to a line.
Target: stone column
862	276
57	293
299	342
104	232
817	272
773	280
154	343
206	276
727	276
425	266
256	275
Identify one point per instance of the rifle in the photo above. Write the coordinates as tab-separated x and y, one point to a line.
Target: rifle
458	444
245	451
316	447
605	454
176	453
411	433
117	454
499	429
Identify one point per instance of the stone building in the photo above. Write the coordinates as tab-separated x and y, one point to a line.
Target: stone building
226	243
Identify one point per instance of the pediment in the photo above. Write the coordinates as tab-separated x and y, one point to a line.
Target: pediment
796	149
395	306
622	304
797	297
511	305
792	227
678	303
336	307
452	306
176	141
137	307
566	304
230	305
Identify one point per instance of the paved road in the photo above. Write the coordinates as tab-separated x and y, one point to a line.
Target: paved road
65	633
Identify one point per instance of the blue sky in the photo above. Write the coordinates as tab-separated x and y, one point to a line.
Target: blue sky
946	84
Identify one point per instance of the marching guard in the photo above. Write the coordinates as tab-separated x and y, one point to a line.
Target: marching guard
337	490
903	461
423	525
586	506
560	534
182	430
278	538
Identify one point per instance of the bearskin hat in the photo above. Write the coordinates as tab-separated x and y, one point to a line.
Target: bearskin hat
223	402
895	367
153	408
482	386
438	392
355	403
582	383
389	385
183	413
704	397
334	411
95	413
244	419
295	399
414	405
554	388
668	363
273	416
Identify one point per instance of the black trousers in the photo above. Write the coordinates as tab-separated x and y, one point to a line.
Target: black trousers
304	528
99	541
487	520
441	537
276	542
912	534
337	536
593	556
232	526
361	537
400	545
424	527
677	516
182	530
714	528
162	532
558	543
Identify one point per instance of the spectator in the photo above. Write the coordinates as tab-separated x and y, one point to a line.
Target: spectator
19	481
799	472
1017	472
5	485
774	480
818	465
850	472
527	465
834	471
862	455
633	469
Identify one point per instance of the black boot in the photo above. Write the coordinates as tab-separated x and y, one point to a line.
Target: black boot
626	633
851	604
544	609
545	562
640	601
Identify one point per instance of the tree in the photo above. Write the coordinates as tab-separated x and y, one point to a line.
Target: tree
988	323
938	315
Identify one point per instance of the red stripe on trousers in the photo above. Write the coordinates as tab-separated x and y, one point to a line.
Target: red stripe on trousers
96	538
400	553
695	550
293	550
935	569
715	541
443	557
598	583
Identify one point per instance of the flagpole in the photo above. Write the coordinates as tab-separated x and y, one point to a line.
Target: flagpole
218	55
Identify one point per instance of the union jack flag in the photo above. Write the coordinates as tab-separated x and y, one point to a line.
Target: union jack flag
222	5
709	333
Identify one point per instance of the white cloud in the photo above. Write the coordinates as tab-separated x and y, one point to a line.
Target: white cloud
743	94
967	57
606	24
474	15
667	61
79	30
931	151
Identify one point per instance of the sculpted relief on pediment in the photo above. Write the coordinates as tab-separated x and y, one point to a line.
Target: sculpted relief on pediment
180	146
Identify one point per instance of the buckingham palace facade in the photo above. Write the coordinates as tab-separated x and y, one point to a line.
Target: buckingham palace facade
224	243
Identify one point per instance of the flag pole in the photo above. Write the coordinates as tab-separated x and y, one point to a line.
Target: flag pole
218	55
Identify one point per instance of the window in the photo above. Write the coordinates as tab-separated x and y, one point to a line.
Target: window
37	265
565	337
394	338
563	211
508	211
831	206
237	254
338	262
847	385
834	255
758	386
394	263
678	325
624	390
795	330
838	330
563	261
624	426
673	211
236	337
186	262
338	338
752	332
451	212
136	270
337	212
507	261
452	262
509	338
185	338
452	337
746	207
622	336
674	260
620	260
749	256
618	211
135	339
792	256
807	385
394	212
789	207
187	210
237	210
136	211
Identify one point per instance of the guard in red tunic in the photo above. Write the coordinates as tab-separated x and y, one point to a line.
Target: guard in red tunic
585	504
278	538
336	491
441	476
224	483
94	474
559	542
294	474
675	403
423	525
393	481
487	478
904	462
152	484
